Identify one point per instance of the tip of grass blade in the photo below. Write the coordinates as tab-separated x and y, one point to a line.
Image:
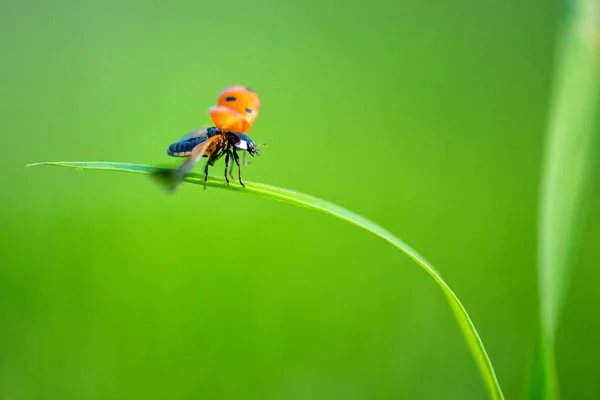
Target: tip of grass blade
55	163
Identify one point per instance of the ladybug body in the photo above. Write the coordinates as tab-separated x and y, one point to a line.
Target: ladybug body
237	141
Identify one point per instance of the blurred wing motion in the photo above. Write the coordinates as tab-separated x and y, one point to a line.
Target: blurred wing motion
171	178
236	110
197	134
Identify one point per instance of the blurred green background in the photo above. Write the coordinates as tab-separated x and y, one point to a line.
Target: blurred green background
427	117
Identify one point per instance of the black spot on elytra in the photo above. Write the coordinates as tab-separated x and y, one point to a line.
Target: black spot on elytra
230	98
248	110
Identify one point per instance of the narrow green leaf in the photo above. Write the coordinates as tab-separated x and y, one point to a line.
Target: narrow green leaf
304	200
568	174
289	196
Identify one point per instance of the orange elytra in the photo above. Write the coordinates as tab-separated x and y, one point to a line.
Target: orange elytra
236	110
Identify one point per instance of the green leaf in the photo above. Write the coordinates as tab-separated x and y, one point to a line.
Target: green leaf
568	174
304	200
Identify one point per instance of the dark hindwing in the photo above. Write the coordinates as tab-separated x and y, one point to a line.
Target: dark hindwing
185	145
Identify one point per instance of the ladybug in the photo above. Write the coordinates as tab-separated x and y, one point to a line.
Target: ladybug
236	111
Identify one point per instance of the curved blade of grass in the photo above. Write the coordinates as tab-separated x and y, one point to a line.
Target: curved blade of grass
568	174
304	200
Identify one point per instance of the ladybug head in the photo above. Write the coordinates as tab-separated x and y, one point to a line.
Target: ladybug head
243	142
253	149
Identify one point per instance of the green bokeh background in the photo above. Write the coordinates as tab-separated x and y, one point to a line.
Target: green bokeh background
427	117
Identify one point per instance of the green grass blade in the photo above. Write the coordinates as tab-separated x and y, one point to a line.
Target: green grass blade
303	200
568	174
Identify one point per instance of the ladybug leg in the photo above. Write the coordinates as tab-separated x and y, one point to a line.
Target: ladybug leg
206	172
237	161
231	167
227	167
249	163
